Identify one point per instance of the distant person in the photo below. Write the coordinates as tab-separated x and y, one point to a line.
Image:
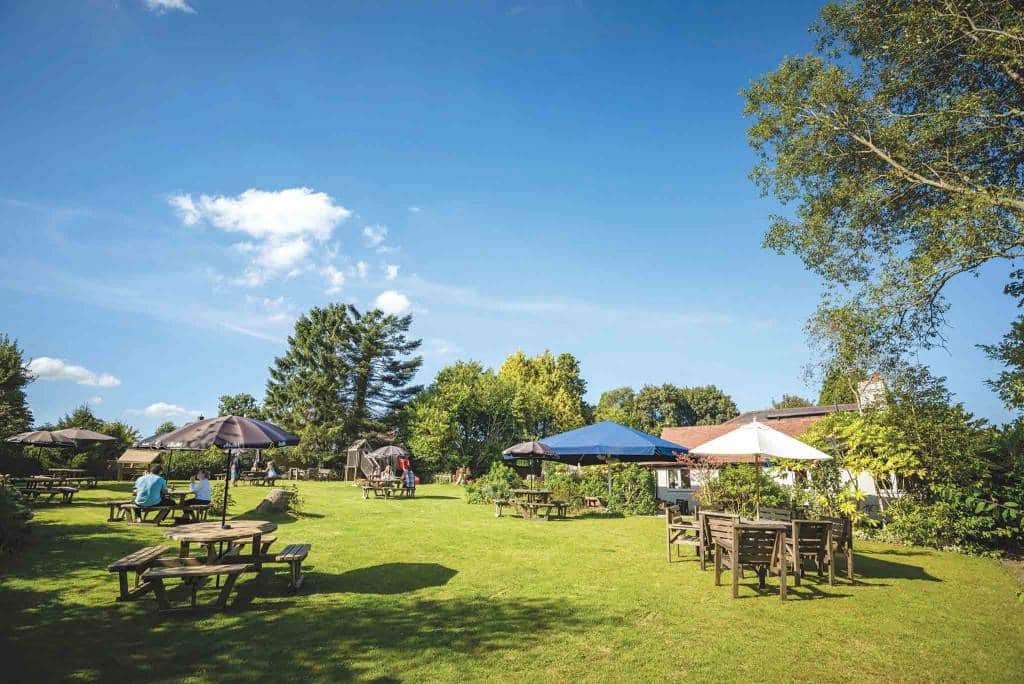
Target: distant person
409	479
389	472
236	469
375	474
404	463
151	489
271	471
200	488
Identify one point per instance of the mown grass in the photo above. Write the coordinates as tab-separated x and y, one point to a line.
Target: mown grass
435	589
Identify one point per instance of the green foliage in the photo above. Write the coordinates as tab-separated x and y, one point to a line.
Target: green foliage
465	418
496	483
634	489
165	427
95	457
243	404
899	143
182	465
790	401
548	393
735	489
658	406
217	498
1009	384
14	516
839	385
15	415
469	413
346	373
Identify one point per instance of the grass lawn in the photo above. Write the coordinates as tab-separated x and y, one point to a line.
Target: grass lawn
435	589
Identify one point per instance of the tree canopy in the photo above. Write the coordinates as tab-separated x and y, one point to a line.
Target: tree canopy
15	415
901	144
657	406
345	373
790	401
242	404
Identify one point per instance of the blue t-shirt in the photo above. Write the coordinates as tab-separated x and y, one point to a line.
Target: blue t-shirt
148	489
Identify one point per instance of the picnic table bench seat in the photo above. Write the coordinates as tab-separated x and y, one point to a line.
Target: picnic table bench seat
139	514
541	509
265	543
139	562
194	576
293	555
66	493
593	502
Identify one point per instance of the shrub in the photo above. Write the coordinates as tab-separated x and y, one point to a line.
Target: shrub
497	483
633	488
14	517
217	498
735	489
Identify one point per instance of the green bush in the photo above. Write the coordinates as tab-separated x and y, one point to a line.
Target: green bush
217	498
14	517
735	489
497	483
634	489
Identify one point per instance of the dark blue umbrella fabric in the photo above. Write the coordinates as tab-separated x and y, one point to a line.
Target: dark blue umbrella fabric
597	443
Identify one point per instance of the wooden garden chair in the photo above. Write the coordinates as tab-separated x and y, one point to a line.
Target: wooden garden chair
842	540
681	531
779	514
811	539
738	546
707	543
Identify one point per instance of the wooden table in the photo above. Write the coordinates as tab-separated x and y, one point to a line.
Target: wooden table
533	495
66	472
210	534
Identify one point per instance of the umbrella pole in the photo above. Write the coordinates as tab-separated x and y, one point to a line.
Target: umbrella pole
757	487
227	484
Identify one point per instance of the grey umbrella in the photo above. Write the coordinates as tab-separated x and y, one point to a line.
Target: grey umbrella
226	432
536	449
390	451
46	438
83	435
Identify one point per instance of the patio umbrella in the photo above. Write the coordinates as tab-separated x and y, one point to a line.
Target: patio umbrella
753	442
608	442
536	451
390	451
83	435
45	438
226	432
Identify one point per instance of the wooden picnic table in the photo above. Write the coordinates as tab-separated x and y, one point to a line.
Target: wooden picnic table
66	472
533	495
211	534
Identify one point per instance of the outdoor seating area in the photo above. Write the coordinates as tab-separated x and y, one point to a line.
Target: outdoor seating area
242	547
533	504
780	545
43	488
387	488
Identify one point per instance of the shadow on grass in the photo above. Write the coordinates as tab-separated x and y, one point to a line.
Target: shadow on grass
386	578
297	638
869	567
600	515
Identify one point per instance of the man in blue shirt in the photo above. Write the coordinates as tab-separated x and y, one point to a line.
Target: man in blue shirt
409	479
150	488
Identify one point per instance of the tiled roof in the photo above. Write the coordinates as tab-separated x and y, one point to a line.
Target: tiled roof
793	422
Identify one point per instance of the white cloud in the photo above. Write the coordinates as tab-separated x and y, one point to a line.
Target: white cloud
162	409
335	279
277	309
162	6
284	225
437	346
362	268
415	210
374	236
46	368
391	302
390	271
95	400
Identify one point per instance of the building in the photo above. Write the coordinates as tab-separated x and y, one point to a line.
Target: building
677	482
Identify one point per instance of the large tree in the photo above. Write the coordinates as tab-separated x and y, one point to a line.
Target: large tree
619	406
901	144
243	404
790	401
15	415
549	392
345	373
709	404
658	406
464	418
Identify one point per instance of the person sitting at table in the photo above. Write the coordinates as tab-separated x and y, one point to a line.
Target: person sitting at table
200	488
409	479
151	489
389	472
271	471
375	474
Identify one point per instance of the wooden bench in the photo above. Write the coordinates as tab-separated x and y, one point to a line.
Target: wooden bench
139	514
535	510
139	562
406	491
682	531
378	491
265	543
293	555
593	502
194	576
66	493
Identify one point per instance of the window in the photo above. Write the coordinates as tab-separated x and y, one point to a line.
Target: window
678	478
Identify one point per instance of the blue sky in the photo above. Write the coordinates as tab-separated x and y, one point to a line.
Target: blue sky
180	179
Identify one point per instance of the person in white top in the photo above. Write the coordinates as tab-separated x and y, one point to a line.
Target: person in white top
200	488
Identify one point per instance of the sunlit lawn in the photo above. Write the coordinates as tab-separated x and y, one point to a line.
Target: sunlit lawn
435	589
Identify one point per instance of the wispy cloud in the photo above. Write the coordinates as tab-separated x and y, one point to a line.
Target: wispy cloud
335	279
46	368
162	409
390	271
284	226
164	6
415	210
